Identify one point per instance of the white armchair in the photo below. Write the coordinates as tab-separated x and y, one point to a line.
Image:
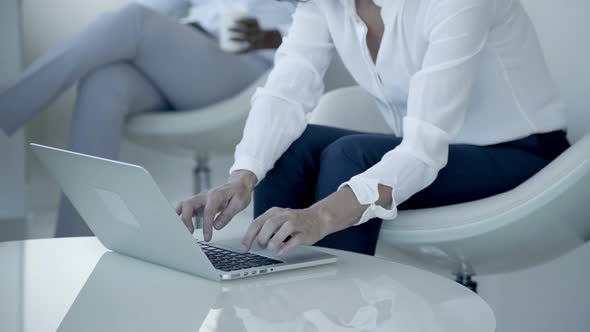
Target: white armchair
545	217
542	219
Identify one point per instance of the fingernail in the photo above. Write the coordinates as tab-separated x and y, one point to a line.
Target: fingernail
217	225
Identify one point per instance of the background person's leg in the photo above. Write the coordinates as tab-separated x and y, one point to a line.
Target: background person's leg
105	97
171	55
111	38
291	182
133	60
192	70
472	172
187	65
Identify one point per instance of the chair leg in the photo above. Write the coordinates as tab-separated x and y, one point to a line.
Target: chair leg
202	175
201	180
467	281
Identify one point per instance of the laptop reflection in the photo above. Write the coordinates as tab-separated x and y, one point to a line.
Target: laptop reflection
125	294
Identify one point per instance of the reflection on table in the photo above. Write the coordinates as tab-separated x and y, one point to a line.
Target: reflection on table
124	294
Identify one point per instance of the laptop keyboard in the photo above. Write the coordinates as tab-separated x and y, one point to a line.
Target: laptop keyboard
227	260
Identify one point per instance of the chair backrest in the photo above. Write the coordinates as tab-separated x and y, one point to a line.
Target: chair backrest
563	30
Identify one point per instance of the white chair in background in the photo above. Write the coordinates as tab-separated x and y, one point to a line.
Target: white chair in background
202	133
544	218
212	130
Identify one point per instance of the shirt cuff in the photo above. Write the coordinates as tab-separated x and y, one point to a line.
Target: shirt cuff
366	191
248	164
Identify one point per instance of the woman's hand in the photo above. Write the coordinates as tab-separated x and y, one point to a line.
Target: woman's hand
219	205
284	229
248	31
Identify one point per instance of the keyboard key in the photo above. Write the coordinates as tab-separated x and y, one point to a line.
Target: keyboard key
227	261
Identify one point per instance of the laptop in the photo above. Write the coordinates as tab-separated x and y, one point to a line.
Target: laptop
124	207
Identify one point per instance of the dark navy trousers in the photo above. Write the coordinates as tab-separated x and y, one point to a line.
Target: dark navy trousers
323	158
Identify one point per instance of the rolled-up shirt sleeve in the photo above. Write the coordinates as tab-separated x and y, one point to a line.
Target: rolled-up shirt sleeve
456	32
294	87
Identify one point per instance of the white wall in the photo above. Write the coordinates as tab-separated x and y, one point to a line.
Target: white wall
12	162
563	27
555	296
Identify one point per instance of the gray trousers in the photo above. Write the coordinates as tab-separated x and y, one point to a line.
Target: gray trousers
133	60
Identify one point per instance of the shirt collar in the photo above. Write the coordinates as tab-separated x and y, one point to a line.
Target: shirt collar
389	13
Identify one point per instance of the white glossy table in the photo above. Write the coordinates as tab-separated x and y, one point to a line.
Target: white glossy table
77	285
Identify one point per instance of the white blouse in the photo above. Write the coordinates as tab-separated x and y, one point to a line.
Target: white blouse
448	71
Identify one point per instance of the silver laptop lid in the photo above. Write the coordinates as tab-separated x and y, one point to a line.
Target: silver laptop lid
126	210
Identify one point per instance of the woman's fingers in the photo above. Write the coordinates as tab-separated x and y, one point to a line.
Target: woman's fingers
281	230
215	202
270	227
276	241
295	241
230	211
265	226
240	31
253	230
250	24
187	210
256	226
246	31
241	38
186	215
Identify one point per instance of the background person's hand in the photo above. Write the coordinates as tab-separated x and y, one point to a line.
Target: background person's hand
219	205
249	32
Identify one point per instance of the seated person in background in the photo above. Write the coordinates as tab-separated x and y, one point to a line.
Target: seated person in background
140	59
463	84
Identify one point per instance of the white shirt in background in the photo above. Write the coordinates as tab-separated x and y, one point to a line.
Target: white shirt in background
271	14
453	71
